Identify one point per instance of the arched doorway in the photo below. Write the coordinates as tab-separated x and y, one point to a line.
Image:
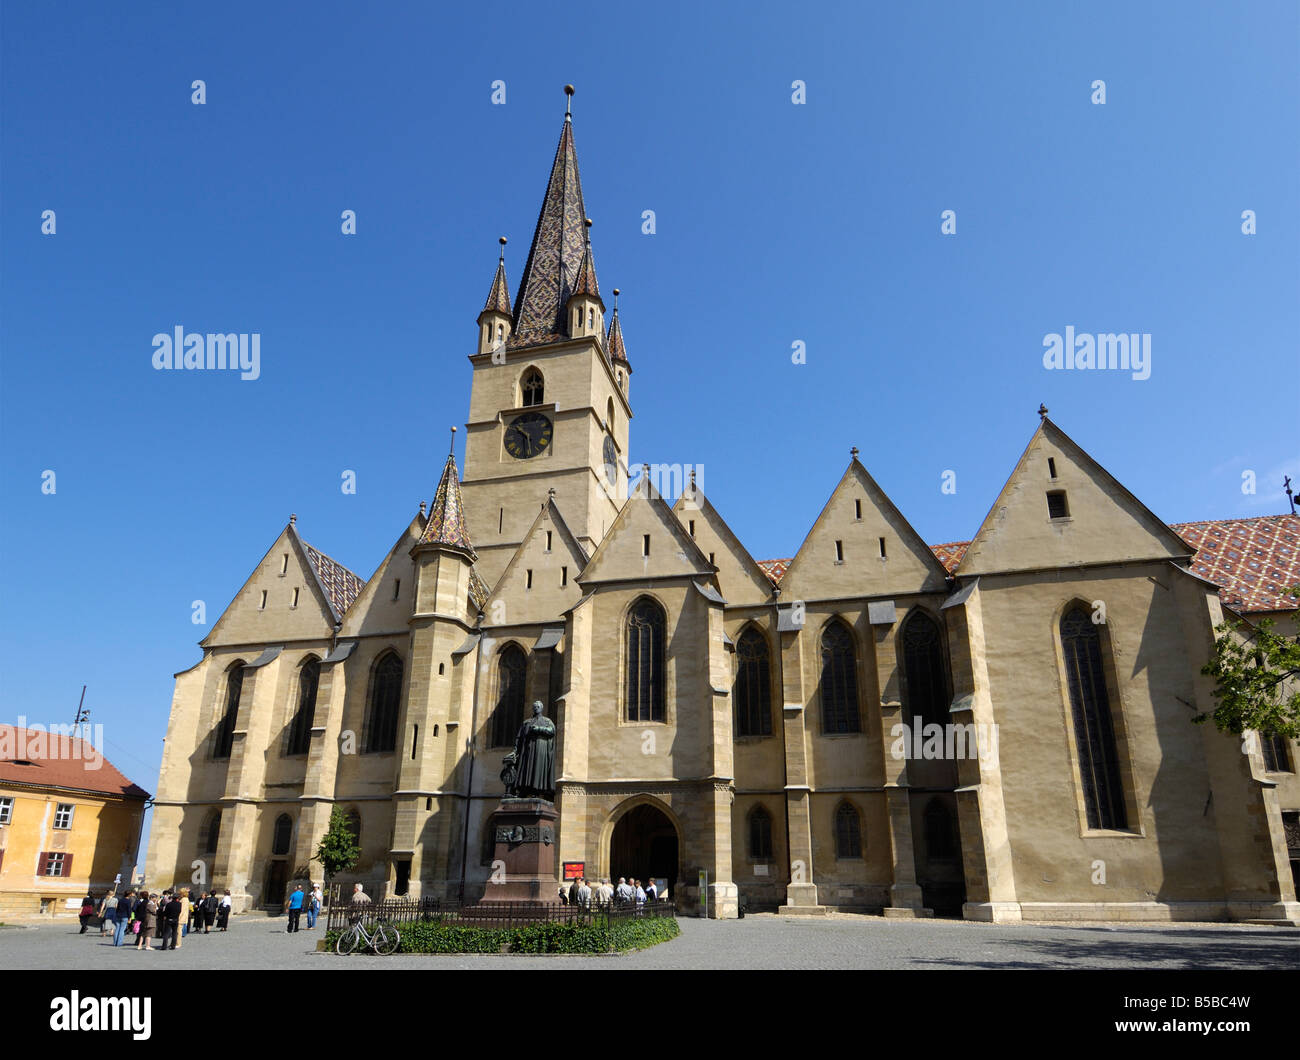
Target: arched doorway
644	844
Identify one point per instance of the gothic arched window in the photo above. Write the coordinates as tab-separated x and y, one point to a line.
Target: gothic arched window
839	680
283	834
297	739
224	741
1094	732
352	822
923	669
760	834
940	835
532	387
385	698
512	668
848	831
211	832
753	688
646	674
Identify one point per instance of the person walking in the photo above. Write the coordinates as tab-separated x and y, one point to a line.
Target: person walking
147	914
87	912
108	913
209	912
223	912
170	914
295	908
125	907
313	907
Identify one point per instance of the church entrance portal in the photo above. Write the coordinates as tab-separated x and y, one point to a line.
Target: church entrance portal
644	845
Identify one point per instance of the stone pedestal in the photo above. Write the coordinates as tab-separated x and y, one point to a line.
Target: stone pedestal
523	859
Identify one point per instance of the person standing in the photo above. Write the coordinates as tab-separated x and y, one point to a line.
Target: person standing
624	892
183	917
584	893
147	914
359	904
223	912
651	892
125	907
87	912
170	914
209	911
313	907
109	913
640	894
295	908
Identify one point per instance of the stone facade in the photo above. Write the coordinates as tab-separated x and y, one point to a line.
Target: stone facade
717	715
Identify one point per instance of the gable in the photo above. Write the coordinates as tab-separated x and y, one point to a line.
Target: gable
386	602
857	516
523	598
1105	522
741	580
645	521
283	569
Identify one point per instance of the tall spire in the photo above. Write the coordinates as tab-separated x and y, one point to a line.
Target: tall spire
586	281
446	526
498	299
556	254
614	342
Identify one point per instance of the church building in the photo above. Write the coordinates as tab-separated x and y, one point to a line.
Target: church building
997	728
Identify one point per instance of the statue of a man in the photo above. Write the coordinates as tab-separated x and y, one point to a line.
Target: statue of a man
529	771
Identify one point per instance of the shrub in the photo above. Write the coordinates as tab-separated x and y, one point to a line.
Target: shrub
600	936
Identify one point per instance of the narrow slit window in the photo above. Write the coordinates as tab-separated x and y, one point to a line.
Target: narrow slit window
428	803
548	540
415	740
1051	467
295	599
857	509
564	576
530	580
284	564
1057	506
262	605
501	519
839	551
645	544
397	588
883	553
442	669
711	559
692	528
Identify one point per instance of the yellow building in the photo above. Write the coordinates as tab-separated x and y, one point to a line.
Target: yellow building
69	823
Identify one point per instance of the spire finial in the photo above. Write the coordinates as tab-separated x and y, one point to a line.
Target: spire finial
1286	486
854	452
587	224
615	299
293	519
422	507
1042	411
568	102
502	241
550	494
452	448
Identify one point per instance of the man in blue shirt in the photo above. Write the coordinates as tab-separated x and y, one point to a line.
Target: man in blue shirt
295	908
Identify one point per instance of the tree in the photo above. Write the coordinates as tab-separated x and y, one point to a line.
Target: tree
338	850
1253	671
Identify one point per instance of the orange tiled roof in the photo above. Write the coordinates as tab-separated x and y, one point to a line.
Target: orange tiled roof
1253	561
58	761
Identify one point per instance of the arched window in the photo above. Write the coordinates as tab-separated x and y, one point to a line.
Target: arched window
923	669
760	834
646	675
352	822
1094	732
940	835
532	387
609	415
839	680
211	832
753	688
385	696
848	831
297	739
224	741
283	834
512	668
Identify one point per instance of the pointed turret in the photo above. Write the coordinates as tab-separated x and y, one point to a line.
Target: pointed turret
555	257
446	526
616	350
586	307
495	322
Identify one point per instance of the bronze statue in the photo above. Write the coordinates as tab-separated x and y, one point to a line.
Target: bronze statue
529	770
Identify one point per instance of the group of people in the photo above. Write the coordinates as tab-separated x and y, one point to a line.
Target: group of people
298	901
169	916
581	892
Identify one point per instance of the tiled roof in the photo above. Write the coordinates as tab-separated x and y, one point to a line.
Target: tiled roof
60	762
446	525
478	589
556	252
498	299
1253	561
586	282
614	342
339	583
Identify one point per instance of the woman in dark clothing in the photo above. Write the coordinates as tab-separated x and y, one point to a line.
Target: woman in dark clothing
147	913
209	912
87	912
223	912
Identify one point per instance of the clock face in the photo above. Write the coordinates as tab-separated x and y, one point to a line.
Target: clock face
528	435
611	461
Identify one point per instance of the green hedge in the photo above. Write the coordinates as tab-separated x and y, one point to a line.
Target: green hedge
432	936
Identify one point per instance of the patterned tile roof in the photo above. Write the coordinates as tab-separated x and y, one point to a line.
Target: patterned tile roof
58	761
614	341
341	586
478	589
556	252
586	283
446	525
498	299
1253	561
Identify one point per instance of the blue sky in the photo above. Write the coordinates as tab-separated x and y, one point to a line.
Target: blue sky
775	223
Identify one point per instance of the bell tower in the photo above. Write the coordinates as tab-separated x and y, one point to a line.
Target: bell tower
548	401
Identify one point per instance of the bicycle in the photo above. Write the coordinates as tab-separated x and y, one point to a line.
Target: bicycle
383	940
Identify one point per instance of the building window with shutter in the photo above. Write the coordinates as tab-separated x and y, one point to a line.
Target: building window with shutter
6	810
63	815
55	863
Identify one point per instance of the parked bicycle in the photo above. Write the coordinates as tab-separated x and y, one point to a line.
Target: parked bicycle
383	939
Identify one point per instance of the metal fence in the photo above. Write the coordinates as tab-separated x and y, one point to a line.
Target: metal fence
400	911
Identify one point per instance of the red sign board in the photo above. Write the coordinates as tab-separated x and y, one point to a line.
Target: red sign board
575	870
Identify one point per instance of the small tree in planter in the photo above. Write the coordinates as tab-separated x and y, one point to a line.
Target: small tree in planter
338	850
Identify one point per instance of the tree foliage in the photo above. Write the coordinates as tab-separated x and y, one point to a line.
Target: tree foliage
338	850
1255	673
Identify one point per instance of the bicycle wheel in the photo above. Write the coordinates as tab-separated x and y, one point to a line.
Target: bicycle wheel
386	940
347	942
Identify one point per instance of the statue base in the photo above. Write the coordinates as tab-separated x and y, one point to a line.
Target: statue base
523	858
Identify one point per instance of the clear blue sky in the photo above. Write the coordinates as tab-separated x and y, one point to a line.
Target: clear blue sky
776	223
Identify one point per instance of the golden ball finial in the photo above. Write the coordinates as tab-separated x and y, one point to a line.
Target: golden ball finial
502	241
568	90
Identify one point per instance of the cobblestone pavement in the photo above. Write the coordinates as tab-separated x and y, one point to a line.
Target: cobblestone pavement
758	941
